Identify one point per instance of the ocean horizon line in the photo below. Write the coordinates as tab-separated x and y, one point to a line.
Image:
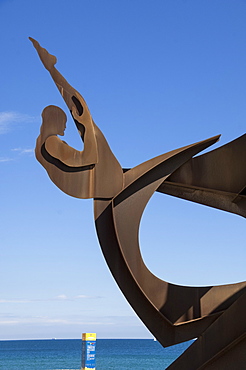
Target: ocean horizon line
113	338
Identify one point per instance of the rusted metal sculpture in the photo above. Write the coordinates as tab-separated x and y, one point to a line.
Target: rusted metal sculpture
171	312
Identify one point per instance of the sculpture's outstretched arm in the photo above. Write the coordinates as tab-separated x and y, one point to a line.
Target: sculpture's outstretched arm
62	151
75	103
54	123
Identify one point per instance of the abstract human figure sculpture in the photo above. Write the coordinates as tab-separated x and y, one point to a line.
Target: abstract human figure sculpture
171	312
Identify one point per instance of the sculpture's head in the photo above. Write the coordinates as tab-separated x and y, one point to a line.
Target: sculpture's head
53	122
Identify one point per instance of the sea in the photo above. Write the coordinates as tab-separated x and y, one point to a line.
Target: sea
64	354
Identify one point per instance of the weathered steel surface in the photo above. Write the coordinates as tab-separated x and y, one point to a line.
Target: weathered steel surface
222	345
171	312
216	179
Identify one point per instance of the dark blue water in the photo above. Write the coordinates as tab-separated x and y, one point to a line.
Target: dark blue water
118	354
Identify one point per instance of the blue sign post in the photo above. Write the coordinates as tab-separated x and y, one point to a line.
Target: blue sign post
89	351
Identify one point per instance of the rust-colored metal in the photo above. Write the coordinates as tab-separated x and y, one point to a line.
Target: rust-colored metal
171	312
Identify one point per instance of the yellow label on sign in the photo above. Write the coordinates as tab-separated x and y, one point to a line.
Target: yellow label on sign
89	336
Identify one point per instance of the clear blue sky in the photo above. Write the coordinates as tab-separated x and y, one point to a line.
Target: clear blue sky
156	75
